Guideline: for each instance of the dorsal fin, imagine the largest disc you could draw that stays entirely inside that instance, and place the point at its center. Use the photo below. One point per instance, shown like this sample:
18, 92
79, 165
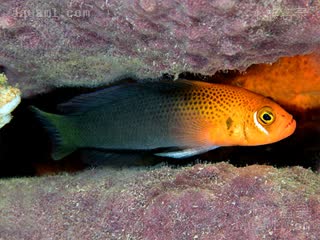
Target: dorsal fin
110, 95
85, 102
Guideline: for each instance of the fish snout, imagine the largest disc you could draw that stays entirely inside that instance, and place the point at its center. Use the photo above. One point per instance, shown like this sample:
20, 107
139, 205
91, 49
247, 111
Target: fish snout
289, 127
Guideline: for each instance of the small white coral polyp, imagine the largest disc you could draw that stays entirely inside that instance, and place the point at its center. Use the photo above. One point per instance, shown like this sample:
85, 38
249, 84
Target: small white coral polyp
9, 100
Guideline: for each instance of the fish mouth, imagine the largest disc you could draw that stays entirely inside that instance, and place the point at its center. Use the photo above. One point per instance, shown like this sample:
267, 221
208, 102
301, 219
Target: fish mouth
290, 127
290, 123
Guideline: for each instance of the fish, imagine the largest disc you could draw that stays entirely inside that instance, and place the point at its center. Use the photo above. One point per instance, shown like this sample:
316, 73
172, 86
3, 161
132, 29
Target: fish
175, 119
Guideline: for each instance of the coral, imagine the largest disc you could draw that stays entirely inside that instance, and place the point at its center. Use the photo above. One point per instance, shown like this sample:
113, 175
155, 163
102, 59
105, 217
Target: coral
291, 81
201, 202
9, 100
47, 44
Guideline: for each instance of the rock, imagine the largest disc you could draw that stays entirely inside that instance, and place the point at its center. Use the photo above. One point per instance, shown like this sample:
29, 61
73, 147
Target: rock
48, 44
211, 201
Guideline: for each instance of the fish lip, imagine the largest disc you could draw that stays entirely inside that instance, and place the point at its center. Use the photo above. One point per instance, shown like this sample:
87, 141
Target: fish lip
289, 125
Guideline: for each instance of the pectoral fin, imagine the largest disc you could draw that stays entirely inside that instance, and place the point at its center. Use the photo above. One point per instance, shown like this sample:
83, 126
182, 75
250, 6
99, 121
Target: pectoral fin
189, 152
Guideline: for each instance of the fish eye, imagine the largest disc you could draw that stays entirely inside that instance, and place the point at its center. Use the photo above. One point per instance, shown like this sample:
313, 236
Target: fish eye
265, 116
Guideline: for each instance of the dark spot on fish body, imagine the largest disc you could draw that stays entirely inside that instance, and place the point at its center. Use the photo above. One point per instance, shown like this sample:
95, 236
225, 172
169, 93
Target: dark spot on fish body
187, 97
229, 123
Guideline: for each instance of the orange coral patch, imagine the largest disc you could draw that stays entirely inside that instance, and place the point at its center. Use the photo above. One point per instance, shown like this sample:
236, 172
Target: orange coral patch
291, 81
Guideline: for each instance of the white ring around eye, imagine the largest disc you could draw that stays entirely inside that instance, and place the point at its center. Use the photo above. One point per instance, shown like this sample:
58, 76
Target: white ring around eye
258, 125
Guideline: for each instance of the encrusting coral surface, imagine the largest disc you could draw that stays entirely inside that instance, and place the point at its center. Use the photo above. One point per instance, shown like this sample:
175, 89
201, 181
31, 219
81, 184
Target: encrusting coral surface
291, 81
200, 202
48, 44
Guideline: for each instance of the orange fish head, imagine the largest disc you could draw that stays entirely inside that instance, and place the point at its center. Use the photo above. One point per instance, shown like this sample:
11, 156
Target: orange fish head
269, 123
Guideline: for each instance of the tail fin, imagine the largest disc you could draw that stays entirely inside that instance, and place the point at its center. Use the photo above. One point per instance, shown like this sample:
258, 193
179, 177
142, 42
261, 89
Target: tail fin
59, 129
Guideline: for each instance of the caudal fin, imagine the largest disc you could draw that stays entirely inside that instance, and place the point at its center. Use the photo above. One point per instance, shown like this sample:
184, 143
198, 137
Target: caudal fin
59, 130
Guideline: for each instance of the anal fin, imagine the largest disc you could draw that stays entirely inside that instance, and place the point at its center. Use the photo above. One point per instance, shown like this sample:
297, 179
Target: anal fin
100, 157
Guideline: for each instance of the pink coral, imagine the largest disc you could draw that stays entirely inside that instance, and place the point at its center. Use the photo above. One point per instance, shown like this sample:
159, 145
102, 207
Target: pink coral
200, 202
45, 44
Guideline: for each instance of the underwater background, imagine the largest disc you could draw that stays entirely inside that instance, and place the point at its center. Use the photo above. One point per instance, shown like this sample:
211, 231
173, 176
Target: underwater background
51, 52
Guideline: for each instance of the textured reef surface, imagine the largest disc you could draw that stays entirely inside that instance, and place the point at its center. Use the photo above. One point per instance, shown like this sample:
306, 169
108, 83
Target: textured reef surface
200, 202
47, 44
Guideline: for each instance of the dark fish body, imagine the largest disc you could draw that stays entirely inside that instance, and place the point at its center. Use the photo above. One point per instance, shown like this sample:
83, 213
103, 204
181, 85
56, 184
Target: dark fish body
191, 116
129, 124
129, 117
